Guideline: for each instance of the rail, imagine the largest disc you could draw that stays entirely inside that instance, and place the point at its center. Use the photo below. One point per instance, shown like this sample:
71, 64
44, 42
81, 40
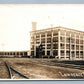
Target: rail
9, 68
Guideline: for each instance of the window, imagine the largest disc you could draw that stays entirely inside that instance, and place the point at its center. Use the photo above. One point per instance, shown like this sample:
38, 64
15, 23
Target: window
60, 38
81, 52
61, 44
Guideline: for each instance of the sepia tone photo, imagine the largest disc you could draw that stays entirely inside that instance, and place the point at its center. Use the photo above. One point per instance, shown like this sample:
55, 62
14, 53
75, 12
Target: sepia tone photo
42, 41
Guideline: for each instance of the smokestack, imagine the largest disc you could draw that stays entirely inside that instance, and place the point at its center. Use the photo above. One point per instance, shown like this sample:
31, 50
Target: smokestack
34, 26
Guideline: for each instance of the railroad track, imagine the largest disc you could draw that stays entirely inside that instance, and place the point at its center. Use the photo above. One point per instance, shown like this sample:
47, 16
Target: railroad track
14, 74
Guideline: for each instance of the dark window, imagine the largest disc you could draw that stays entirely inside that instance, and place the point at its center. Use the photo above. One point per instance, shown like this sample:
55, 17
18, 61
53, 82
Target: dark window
61, 44
48, 52
60, 38
43, 52
81, 52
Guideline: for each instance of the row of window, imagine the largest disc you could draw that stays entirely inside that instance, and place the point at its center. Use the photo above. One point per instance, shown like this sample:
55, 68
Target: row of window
55, 32
2, 53
81, 52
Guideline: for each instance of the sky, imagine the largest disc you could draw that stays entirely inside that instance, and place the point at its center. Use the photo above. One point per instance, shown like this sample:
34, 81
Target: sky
16, 21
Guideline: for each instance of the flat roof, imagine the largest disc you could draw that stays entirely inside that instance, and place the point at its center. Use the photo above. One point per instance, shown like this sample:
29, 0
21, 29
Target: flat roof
58, 27
15, 51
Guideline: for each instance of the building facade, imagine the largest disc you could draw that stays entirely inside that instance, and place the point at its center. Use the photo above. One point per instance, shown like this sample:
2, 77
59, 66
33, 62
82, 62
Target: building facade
57, 42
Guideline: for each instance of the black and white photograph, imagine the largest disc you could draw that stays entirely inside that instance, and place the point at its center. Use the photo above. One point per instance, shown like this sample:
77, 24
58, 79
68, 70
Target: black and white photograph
42, 41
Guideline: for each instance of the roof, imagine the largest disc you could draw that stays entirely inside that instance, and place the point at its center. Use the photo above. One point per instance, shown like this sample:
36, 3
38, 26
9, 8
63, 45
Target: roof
15, 51
59, 27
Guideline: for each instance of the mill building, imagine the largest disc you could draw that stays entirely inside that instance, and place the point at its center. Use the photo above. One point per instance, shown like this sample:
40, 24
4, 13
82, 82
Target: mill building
56, 42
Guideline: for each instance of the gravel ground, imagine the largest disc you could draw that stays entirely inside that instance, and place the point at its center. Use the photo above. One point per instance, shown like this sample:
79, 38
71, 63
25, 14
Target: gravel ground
42, 69
3, 71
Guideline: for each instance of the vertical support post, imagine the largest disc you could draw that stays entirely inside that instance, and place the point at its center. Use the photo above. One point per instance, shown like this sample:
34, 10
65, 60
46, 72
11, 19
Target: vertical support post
75, 46
83, 46
3, 54
70, 47
35, 44
11, 54
23, 53
41, 43
8, 53
30, 44
79, 45
51, 53
45, 44
40, 38
65, 44
18, 53
59, 43
15, 53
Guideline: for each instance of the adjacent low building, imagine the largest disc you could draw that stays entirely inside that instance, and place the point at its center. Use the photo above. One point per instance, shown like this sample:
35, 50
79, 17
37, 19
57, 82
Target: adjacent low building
57, 42
14, 53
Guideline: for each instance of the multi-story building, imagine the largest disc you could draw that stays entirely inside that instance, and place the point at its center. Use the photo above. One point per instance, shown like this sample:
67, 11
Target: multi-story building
57, 42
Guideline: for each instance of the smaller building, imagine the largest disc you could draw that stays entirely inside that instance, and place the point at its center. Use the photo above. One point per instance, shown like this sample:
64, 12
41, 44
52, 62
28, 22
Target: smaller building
14, 53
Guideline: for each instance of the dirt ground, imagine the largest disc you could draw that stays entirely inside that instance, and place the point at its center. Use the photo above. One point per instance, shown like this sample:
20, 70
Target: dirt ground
39, 69
3, 71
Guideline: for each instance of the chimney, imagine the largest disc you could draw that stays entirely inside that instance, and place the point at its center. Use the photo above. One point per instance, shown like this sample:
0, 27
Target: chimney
34, 26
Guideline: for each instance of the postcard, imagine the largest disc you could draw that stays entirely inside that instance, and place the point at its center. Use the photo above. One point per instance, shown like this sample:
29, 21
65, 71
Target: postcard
41, 41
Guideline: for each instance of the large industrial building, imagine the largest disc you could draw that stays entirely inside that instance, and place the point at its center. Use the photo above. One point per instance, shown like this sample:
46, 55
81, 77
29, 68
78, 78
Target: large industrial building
57, 42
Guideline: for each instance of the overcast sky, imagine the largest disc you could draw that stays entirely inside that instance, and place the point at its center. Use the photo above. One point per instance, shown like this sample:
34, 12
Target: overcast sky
15, 21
